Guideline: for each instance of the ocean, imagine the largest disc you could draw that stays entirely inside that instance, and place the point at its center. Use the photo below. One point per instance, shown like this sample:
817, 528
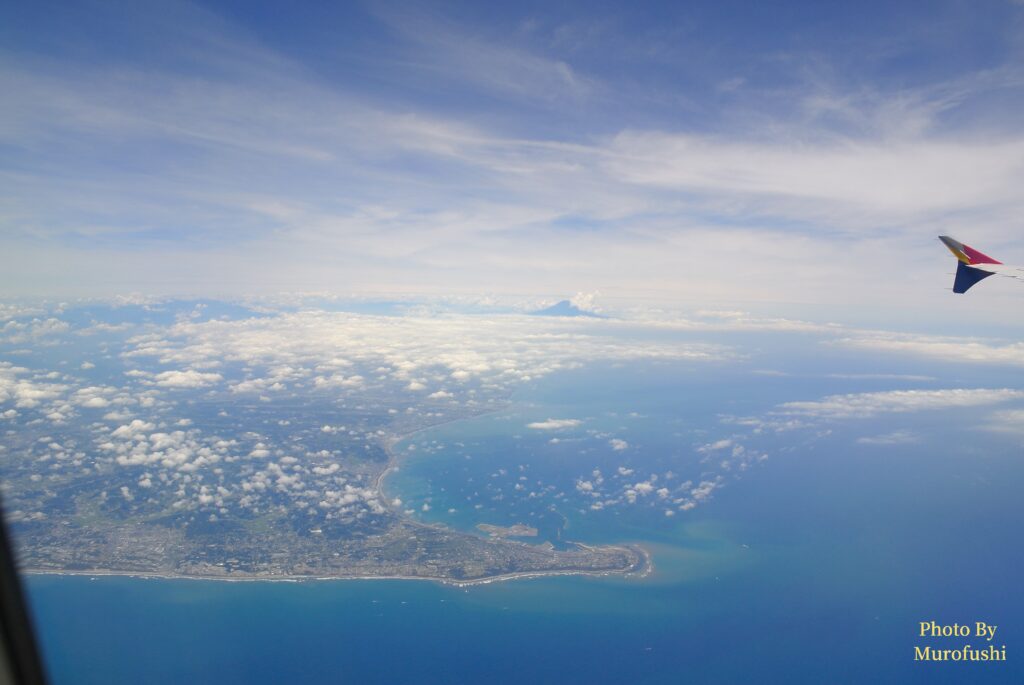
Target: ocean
815, 564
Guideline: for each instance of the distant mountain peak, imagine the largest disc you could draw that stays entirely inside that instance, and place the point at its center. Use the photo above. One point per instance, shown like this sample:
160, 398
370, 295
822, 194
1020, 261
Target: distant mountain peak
566, 308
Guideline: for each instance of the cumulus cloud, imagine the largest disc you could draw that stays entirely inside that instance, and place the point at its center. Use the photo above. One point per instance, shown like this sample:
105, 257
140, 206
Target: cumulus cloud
130, 430
643, 488
16, 332
704, 489
499, 350
256, 385
585, 301
337, 380
94, 397
716, 445
298, 351
186, 379
26, 393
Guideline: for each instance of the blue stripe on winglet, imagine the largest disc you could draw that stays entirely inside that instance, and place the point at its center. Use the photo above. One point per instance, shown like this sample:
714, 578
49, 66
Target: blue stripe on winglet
966, 276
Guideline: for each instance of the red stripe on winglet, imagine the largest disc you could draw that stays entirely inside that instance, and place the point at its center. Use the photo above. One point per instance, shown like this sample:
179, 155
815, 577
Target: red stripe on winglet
978, 257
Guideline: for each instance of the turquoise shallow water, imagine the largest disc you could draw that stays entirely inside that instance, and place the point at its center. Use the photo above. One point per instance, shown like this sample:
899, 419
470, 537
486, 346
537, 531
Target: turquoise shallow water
815, 566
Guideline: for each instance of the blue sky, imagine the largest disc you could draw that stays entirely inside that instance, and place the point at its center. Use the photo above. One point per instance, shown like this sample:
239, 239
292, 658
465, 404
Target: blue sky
713, 153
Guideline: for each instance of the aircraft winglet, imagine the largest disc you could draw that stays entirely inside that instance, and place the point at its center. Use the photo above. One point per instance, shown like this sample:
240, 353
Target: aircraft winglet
968, 261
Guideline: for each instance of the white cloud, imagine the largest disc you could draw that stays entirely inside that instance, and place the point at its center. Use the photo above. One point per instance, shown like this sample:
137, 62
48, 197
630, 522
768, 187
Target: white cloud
894, 438
902, 179
643, 488
17, 332
255, 103
881, 376
339, 381
714, 446
863, 405
186, 379
25, 393
130, 430
1007, 421
94, 397
704, 490
554, 424
618, 444
966, 350
586, 301
255, 385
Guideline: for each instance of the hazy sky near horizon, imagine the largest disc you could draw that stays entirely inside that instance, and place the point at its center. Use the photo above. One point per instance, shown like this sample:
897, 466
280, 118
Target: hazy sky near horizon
704, 152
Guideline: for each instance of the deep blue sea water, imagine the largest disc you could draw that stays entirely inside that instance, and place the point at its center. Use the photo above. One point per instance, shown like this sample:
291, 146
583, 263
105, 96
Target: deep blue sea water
814, 567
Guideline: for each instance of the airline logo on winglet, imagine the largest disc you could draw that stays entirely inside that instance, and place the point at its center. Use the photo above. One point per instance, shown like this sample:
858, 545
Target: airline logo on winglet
965, 253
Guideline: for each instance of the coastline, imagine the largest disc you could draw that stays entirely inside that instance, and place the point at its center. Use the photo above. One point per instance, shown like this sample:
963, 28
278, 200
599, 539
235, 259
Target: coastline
641, 570
646, 568
388, 442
